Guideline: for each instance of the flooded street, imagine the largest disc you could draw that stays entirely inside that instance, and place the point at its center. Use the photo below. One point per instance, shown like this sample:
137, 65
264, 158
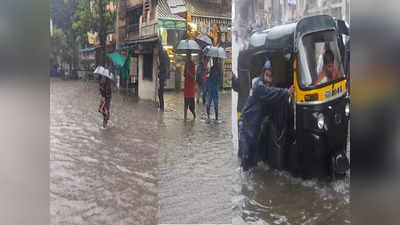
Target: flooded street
195, 163
101, 176
267, 196
151, 167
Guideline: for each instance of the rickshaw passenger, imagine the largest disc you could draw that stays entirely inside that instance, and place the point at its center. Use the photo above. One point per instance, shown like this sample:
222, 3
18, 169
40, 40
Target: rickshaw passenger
264, 100
329, 71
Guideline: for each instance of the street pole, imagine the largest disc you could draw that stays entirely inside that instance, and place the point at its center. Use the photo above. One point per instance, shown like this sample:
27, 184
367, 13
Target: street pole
102, 34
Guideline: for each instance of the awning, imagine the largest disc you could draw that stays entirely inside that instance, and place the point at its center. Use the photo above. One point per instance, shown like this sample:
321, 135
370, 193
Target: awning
164, 10
88, 49
145, 40
127, 46
177, 6
117, 58
210, 10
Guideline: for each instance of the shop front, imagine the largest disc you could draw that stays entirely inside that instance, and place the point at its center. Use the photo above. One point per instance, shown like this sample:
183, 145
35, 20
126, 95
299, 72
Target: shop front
219, 30
142, 68
171, 31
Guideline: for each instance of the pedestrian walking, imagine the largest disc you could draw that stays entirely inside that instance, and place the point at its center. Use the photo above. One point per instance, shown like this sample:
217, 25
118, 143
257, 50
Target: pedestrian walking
200, 81
213, 84
190, 86
207, 68
163, 75
105, 104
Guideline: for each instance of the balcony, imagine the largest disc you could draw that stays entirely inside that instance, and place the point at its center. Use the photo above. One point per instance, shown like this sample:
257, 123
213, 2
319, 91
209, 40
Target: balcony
148, 27
134, 28
148, 30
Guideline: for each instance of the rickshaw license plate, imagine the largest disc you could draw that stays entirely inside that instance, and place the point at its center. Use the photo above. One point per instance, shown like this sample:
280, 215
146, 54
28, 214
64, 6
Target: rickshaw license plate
333, 92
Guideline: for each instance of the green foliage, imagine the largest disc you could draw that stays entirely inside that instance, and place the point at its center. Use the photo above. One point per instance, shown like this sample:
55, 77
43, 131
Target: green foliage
59, 46
87, 19
73, 19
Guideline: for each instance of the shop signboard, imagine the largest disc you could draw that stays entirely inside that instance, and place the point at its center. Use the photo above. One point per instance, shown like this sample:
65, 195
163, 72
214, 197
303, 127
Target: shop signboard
214, 1
166, 23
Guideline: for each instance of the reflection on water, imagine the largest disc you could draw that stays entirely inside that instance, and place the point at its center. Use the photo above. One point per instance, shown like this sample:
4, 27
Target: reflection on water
266, 196
101, 176
195, 164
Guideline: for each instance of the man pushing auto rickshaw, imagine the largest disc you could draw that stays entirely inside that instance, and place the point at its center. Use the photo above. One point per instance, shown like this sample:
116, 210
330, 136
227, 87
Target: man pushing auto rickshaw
264, 100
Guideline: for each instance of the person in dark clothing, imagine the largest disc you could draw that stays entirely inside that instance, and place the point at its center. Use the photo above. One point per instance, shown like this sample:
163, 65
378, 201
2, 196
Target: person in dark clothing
213, 84
190, 87
105, 91
206, 70
199, 80
264, 100
101, 87
163, 75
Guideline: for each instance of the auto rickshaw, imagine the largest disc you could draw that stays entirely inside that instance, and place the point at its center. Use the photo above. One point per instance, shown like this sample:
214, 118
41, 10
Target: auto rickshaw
316, 132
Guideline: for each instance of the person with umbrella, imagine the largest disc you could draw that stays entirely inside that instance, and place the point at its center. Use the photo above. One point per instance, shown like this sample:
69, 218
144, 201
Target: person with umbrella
189, 46
201, 72
215, 78
189, 88
207, 69
105, 92
213, 84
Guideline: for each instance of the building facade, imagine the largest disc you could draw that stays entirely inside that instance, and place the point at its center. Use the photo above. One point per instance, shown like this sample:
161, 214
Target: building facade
264, 14
137, 38
214, 18
143, 27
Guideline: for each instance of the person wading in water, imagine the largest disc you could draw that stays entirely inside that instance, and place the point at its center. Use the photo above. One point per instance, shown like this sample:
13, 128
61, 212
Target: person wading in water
105, 91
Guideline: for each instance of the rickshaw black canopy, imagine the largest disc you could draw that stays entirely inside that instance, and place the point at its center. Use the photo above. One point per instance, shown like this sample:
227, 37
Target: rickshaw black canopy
283, 38
279, 38
314, 24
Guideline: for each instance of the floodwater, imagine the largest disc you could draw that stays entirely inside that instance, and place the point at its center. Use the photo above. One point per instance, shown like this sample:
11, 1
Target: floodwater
267, 196
101, 176
195, 164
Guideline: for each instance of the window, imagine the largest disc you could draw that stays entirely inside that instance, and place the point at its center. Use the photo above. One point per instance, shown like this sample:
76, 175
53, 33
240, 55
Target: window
314, 69
133, 16
148, 67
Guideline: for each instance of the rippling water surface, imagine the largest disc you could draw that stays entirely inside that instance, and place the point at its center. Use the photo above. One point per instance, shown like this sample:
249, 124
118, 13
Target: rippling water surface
101, 176
195, 164
266, 196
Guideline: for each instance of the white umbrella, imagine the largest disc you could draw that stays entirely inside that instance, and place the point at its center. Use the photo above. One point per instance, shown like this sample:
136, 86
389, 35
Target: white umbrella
216, 52
104, 72
204, 40
187, 46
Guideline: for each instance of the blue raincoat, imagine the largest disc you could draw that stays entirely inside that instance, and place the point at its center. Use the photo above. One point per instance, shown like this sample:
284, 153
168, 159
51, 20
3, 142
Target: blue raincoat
213, 83
263, 101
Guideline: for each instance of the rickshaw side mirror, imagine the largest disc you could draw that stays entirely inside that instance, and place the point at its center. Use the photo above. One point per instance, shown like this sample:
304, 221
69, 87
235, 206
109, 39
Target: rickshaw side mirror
288, 56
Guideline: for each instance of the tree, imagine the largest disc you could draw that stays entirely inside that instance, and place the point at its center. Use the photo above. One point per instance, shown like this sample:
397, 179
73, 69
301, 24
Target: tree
94, 16
61, 12
75, 18
59, 47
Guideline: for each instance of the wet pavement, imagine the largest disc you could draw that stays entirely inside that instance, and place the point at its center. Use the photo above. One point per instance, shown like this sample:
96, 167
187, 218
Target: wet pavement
267, 196
101, 176
195, 164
